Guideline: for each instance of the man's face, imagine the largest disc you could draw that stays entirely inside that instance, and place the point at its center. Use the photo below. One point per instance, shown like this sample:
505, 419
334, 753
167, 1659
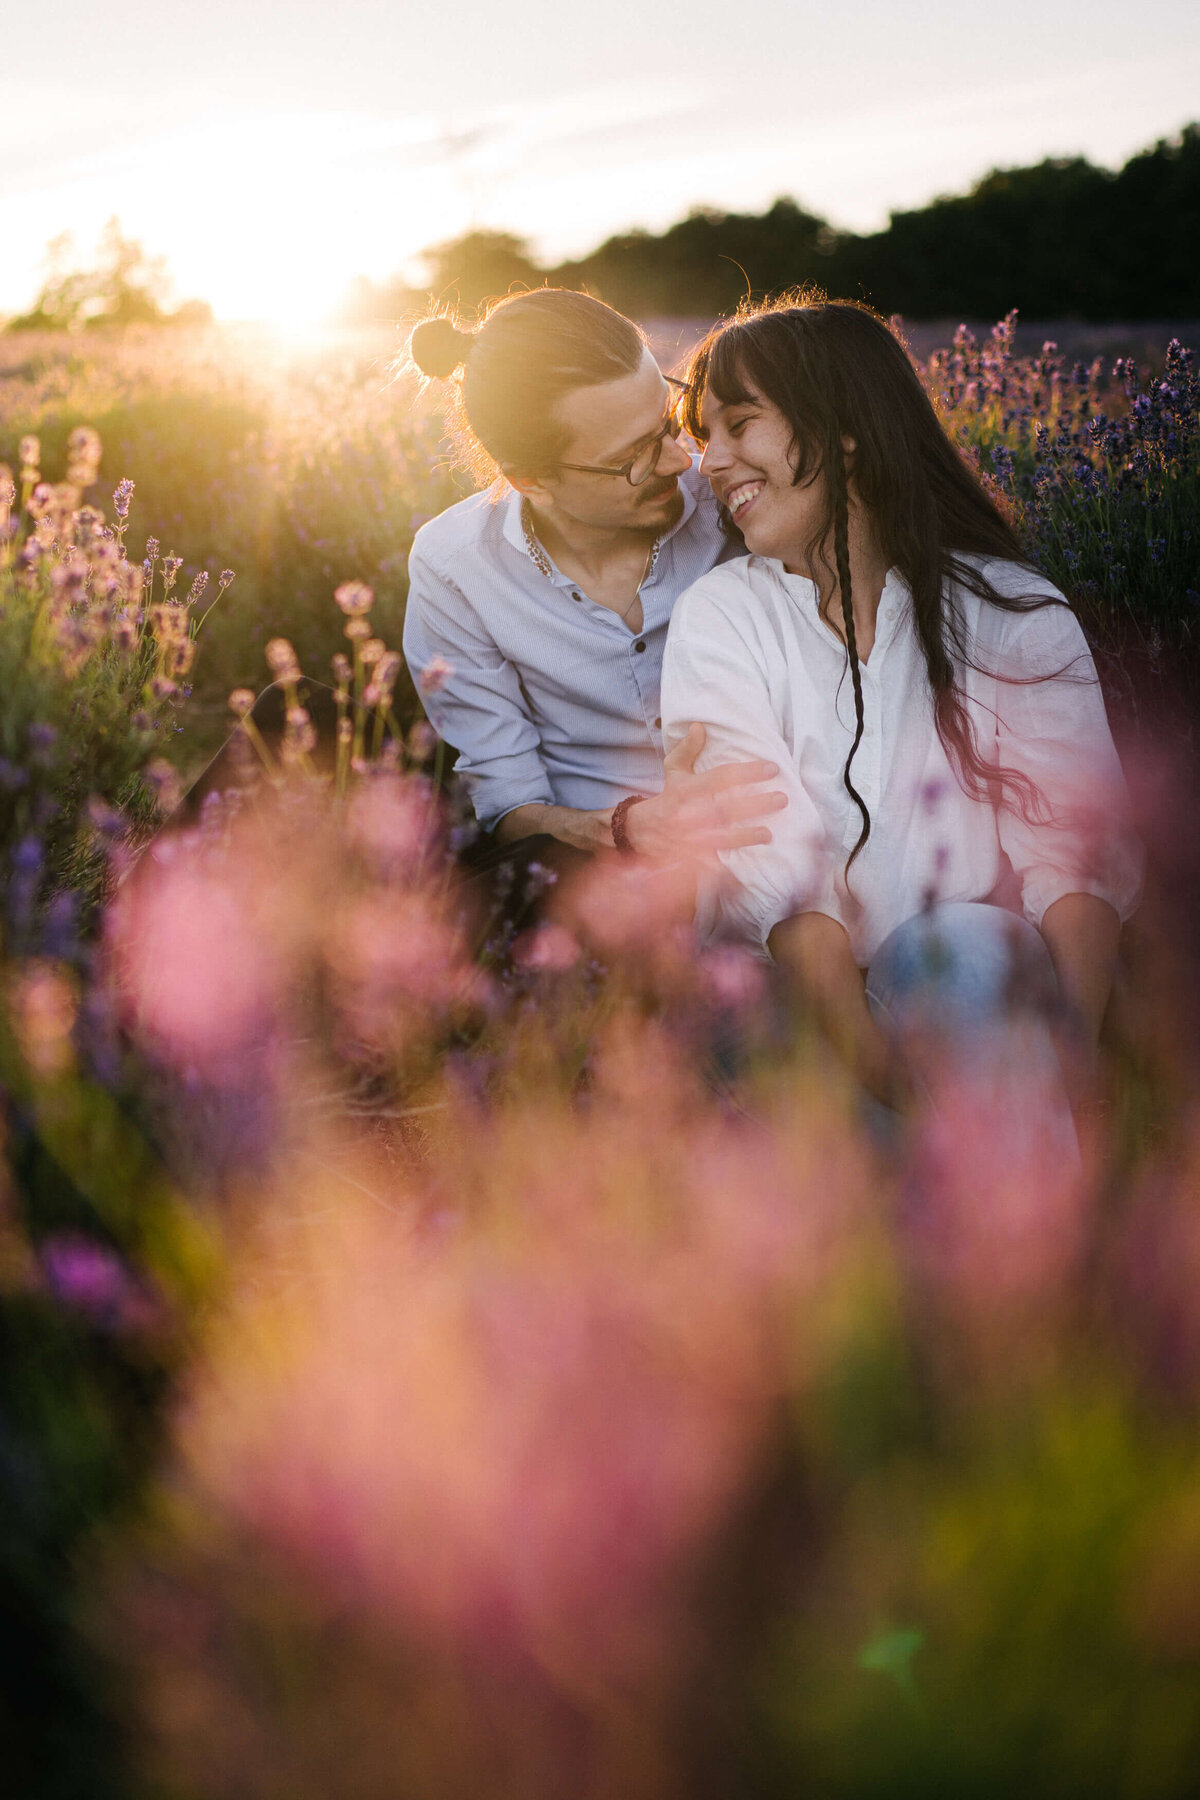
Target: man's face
607, 425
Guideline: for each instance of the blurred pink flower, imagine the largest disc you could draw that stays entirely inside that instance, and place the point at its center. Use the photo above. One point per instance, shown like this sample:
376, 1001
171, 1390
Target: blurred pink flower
354, 598
422, 741
163, 781
998, 1204
281, 660
199, 971
506, 1450
626, 906
548, 949
734, 977
393, 959
394, 822
44, 1001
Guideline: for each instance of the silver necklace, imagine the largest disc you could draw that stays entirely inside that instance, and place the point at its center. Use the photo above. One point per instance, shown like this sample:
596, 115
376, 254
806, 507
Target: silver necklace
537, 554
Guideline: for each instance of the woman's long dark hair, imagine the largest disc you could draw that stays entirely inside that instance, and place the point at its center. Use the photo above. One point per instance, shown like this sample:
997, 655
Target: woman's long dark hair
836, 370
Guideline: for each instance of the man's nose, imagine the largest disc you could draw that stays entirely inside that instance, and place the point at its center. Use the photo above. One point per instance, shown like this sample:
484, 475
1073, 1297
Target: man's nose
673, 458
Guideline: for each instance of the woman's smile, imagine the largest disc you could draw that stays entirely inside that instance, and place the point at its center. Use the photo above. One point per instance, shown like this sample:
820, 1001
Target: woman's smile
740, 499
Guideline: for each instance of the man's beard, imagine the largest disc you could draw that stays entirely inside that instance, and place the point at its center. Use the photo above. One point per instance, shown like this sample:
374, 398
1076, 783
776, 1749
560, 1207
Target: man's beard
655, 492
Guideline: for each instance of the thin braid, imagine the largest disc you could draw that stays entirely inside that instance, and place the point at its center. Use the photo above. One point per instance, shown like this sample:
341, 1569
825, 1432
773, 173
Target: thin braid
841, 554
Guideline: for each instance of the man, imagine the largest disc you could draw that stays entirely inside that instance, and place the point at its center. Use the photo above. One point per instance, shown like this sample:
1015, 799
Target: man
538, 610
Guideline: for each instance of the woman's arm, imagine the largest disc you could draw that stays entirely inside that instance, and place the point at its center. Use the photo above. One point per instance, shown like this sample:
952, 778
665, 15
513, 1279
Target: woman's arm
1077, 840
715, 670
814, 951
1082, 933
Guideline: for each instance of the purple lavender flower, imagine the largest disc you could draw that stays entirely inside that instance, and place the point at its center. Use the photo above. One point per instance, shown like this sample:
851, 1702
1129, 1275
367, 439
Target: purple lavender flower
60, 929
88, 1278
27, 856
104, 818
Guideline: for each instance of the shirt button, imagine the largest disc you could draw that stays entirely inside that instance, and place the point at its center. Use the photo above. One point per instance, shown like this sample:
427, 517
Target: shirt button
658, 724
577, 596
640, 646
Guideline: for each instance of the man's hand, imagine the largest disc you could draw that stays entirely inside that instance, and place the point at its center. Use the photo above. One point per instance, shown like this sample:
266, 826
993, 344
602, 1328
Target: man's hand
696, 815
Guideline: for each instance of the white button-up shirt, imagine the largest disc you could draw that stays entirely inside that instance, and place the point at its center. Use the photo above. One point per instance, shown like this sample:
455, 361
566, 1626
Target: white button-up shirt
545, 694
749, 657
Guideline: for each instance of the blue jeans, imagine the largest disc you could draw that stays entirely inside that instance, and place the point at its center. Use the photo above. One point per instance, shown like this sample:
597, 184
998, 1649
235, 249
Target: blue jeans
960, 969
971, 988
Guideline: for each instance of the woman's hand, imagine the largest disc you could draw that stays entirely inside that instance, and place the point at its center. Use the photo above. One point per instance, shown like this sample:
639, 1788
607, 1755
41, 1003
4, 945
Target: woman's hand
697, 815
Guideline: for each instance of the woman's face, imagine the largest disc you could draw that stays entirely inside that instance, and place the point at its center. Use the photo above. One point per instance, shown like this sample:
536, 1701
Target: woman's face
750, 460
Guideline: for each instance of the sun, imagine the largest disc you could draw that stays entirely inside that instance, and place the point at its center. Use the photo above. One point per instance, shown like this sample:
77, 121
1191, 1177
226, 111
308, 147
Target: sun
269, 219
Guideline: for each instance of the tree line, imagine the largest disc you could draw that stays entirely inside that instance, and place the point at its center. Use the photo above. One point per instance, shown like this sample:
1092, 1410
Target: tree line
120, 285
1063, 239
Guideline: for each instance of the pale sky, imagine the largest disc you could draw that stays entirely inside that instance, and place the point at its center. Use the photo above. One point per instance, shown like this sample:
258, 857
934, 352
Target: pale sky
273, 151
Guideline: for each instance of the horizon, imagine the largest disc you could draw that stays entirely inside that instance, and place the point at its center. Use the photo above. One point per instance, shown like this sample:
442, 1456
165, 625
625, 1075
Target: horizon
271, 212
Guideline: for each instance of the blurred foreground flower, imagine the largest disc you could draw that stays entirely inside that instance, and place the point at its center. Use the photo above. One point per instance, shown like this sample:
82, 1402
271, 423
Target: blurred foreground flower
494, 1426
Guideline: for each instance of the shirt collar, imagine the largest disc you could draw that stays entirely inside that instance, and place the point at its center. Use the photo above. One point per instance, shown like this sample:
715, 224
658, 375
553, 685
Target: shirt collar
513, 524
892, 601
895, 587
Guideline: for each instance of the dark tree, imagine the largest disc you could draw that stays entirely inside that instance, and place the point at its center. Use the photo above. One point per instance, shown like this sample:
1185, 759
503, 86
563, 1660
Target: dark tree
707, 262
1060, 240
480, 266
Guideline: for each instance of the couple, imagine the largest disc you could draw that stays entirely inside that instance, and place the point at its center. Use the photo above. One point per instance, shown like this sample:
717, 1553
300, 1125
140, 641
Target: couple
815, 650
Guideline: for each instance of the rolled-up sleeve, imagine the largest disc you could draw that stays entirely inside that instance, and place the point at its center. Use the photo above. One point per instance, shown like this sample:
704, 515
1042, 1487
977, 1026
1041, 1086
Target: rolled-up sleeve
714, 676
472, 696
1076, 836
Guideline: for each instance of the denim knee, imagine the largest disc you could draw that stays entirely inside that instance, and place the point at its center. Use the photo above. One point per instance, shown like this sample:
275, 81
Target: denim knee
962, 963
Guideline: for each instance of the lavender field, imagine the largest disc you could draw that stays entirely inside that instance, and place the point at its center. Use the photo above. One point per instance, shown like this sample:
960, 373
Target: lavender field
426, 1372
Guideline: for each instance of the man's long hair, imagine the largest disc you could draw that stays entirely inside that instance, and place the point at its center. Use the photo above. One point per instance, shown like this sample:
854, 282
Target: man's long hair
527, 353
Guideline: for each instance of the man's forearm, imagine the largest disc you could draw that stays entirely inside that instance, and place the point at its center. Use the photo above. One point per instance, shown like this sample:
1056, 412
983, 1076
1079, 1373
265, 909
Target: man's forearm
571, 825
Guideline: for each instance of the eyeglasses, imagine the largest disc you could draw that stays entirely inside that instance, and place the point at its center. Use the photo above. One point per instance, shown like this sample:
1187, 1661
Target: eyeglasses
643, 463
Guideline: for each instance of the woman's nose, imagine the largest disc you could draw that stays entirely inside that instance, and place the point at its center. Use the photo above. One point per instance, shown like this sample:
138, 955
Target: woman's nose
713, 457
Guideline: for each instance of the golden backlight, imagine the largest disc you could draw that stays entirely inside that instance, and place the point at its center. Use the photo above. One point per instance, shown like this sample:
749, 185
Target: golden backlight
269, 219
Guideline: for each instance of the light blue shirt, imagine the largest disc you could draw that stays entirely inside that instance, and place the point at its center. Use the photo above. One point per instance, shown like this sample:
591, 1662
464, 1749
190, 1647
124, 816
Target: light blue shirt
546, 695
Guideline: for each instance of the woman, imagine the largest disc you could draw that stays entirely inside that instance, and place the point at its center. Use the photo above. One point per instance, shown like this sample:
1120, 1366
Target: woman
955, 832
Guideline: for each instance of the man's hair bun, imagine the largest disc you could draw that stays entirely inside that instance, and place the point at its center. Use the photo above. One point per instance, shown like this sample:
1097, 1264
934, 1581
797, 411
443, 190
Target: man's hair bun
438, 347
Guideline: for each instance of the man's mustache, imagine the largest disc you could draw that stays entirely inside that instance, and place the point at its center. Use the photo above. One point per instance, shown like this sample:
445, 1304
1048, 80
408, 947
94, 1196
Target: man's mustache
659, 490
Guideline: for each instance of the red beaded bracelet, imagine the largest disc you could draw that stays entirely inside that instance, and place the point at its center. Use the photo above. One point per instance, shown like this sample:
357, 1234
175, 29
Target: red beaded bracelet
620, 833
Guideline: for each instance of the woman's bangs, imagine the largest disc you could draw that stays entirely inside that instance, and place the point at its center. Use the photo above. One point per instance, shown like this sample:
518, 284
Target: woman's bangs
715, 368
727, 380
